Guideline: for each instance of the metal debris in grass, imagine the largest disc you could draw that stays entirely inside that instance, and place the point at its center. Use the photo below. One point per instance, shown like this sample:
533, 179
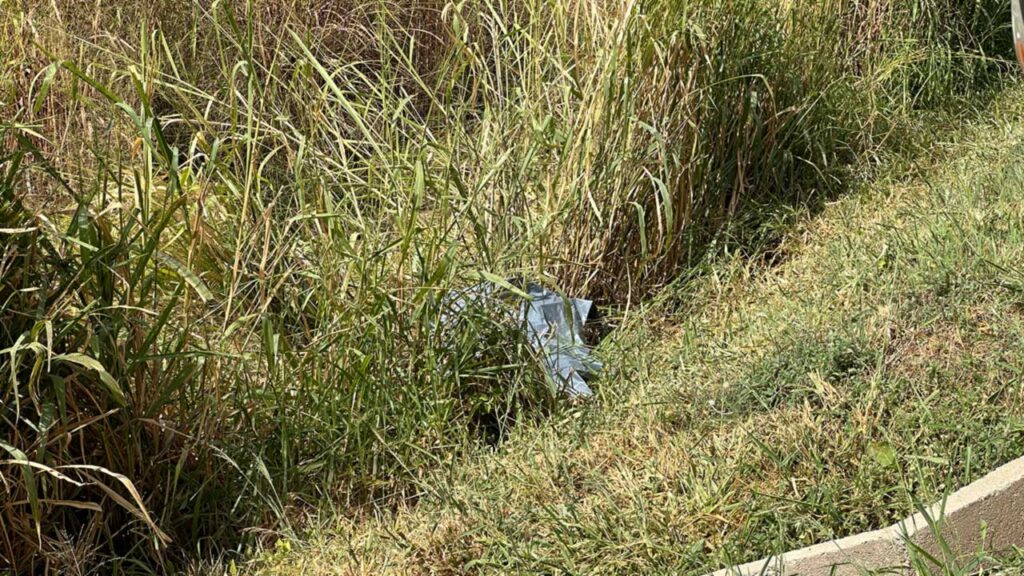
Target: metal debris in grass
553, 325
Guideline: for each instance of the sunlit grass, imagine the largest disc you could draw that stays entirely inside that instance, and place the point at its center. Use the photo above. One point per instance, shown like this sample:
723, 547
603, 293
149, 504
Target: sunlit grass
783, 404
229, 228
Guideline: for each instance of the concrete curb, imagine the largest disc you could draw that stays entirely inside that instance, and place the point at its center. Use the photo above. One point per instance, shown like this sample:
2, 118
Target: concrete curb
987, 514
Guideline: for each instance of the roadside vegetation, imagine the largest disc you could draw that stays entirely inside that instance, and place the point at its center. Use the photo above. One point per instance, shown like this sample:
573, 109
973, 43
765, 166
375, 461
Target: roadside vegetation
227, 231
764, 406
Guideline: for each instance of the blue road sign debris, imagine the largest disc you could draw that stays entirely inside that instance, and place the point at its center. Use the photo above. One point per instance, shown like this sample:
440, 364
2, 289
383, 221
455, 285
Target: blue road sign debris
553, 325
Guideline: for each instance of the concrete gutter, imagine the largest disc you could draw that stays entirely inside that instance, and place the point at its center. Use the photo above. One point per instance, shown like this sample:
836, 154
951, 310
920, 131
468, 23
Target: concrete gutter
987, 515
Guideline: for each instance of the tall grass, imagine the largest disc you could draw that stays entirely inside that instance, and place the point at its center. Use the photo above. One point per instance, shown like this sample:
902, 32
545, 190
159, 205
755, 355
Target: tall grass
229, 229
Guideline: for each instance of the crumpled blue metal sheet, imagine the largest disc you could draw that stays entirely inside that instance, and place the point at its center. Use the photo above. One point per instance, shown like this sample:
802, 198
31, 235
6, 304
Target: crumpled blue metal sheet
558, 337
553, 326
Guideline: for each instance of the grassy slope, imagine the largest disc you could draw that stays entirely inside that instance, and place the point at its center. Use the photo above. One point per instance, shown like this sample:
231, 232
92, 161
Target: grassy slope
299, 201
773, 408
